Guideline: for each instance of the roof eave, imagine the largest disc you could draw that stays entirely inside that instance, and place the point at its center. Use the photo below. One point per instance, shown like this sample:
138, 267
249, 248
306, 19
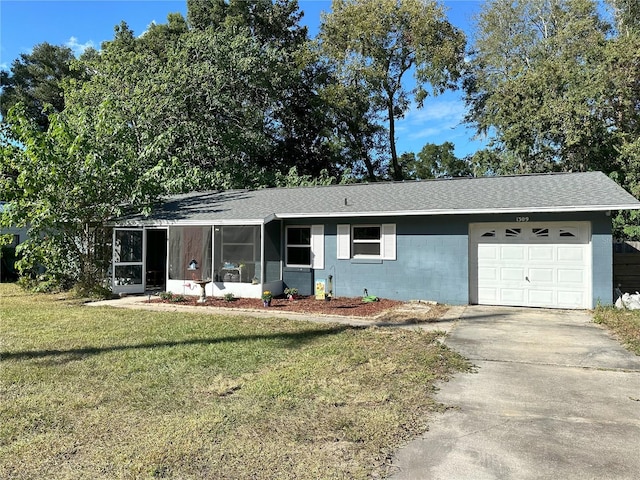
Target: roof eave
191, 222
397, 213
471, 211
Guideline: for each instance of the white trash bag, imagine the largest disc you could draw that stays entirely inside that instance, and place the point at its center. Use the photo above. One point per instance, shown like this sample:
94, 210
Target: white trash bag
628, 301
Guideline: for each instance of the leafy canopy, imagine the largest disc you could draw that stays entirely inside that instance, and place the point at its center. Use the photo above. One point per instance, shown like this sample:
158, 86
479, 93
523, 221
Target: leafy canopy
376, 43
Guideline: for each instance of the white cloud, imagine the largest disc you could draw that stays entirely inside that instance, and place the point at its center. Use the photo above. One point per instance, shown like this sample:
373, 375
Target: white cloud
436, 120
440, 120
77, 47
436, 111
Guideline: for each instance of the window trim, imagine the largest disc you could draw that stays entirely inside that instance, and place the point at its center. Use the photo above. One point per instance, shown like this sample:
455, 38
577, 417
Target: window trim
355, 241
295, 245
388, 238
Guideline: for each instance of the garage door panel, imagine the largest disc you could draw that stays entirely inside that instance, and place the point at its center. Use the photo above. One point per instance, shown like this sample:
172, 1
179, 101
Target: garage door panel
541, 275
571, 254
571, 299
512, 274
544, 265
540, 297
571, 276
487, 274
542, 253
488, 295
512, 296
516, 252
487, 252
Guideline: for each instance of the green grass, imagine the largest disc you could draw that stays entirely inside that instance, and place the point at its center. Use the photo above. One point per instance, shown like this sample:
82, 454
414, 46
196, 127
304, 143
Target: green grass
89, 392
625, 324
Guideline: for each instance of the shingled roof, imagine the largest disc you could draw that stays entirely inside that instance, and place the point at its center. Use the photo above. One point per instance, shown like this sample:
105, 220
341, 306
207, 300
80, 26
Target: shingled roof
557, 192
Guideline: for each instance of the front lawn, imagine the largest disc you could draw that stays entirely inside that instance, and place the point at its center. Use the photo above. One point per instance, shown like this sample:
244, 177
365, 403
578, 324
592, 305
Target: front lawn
625, 324
88, 392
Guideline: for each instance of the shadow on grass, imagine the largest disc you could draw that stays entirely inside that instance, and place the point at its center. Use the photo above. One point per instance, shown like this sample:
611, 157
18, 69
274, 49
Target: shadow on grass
293, 340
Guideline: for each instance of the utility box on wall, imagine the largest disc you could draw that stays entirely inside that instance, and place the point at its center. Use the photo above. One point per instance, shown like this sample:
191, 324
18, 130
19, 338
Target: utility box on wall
300, 278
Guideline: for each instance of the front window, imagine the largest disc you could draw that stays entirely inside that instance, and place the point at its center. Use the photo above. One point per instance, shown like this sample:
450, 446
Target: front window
299, 246
366, 241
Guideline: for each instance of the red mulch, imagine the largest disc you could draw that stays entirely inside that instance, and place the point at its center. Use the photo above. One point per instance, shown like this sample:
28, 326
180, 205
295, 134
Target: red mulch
335, 306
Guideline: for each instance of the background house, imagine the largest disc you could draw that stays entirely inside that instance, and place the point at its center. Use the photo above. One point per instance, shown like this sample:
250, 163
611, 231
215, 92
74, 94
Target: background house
8, 252
533, 240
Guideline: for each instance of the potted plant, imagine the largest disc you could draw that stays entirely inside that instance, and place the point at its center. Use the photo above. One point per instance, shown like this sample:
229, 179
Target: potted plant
266, 298
291, 293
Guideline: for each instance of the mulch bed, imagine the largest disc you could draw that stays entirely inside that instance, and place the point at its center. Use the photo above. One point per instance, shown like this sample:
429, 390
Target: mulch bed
335, 306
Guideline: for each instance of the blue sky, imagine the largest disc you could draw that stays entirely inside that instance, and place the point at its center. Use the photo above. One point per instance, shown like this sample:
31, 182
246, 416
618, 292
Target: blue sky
87, 23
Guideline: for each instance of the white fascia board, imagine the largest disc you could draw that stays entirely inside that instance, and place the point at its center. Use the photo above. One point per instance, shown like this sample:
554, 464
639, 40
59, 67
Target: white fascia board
189, 223
406, 213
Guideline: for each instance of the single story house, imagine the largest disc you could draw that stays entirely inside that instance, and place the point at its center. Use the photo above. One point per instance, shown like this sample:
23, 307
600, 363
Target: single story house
531, 240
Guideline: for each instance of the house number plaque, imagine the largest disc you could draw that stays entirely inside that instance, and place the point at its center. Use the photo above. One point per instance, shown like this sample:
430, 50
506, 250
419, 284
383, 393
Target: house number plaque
522, 219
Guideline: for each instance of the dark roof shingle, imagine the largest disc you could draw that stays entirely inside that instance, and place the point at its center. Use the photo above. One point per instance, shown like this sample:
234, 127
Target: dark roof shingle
589, 191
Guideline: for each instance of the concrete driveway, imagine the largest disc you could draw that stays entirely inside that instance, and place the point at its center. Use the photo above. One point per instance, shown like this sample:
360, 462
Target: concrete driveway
552, 396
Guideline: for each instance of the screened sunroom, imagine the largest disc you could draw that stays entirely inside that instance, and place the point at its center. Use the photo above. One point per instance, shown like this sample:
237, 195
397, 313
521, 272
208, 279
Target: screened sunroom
223, 258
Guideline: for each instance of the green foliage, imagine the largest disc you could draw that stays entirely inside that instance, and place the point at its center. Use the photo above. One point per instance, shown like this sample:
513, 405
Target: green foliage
534, 83
557, 89
227, 104
627, 16
435, 161
166, 296
375, 43
293, 179
230, 103
172, 297
35, 80
63, 185
229, 297
291, 291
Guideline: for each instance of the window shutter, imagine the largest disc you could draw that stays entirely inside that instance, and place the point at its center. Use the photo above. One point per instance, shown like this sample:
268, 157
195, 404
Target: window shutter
388, 241
344, 242
317, 247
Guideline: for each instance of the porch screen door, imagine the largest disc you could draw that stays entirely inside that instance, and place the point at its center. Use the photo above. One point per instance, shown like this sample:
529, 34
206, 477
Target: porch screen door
128, 260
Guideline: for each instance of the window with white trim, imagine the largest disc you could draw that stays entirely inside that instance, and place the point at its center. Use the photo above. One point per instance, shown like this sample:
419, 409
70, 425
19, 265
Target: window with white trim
304, 246
367, 241
298, 246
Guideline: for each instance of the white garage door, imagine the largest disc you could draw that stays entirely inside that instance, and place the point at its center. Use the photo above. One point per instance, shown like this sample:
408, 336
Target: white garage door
531, 264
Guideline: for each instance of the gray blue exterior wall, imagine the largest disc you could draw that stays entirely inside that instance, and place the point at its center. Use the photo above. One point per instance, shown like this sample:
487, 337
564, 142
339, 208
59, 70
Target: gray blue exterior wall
432, 257
602, 260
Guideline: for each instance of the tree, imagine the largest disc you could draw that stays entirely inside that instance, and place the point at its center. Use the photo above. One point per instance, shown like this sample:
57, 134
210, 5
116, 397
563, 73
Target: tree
232, 101
376, 43
533, 83
362, 143
558, 89
35, 79
627, 16
71, 179
436, 161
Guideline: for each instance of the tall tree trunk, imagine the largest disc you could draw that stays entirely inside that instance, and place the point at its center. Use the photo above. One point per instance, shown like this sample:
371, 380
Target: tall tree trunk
395, 165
